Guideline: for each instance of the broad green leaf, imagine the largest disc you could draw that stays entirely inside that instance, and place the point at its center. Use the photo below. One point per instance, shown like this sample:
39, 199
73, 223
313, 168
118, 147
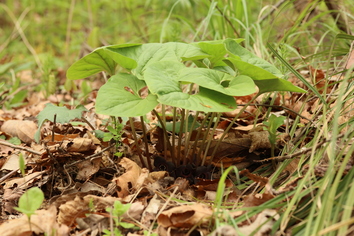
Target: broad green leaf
30, 201
221, 82
162, 79
91, 64
217, 51
206, 100
120, 97
246, 56
265, 75
265, 81
102, 59
177, 52
63, 115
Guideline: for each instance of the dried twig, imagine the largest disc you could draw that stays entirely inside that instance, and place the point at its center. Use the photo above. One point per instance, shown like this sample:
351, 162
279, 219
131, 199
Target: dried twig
20, 148
296, 154
89, 157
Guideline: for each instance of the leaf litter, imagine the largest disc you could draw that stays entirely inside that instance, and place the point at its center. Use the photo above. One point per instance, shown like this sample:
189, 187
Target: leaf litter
81, 177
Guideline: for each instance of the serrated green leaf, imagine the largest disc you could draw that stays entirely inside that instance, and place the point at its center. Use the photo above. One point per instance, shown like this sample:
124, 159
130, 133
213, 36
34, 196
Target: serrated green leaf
120, 97
30, 201
63, 115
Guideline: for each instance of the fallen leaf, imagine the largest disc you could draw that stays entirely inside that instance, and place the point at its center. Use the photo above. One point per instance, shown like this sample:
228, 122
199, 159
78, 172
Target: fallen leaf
77, 208
185, 216
88, 168
42, 222
22, 129
262, 224
128, 180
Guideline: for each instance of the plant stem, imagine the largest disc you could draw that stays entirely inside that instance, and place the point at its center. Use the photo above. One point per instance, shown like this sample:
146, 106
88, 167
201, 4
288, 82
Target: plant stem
180, 134
147, 153
231, 124
211, 138
136, 142
186, 146
164, 133
206, 134
194, 148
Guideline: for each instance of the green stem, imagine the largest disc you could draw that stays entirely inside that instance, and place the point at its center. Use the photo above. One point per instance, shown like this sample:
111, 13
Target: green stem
147, 153
136, 142
206, 134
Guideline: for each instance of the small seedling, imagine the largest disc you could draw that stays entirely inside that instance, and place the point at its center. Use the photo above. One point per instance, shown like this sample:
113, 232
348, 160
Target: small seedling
115, 133
31, 200
117, 212
272, 125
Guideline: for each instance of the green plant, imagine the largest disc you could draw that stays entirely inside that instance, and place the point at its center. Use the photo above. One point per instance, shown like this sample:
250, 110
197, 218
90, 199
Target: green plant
203, 76
272, 125
115, 133
117, 212
32, 199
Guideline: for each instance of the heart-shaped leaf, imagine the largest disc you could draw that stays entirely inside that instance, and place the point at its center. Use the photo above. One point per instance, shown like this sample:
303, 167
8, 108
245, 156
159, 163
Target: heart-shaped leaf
120, 97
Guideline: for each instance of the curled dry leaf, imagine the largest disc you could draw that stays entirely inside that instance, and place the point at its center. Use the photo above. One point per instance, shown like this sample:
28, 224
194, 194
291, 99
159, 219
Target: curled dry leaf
22, 129
185, 216
43, 222
129, 179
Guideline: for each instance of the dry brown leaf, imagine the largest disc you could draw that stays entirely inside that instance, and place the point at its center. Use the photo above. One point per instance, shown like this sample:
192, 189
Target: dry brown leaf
135, 211
257, 199
79, 145
259, 140
43, 222
224, 230
128, 180
263, 223
185, 216
11, 163
22, 129
88, 168
256, 178
25, 181
151, 211
77, 208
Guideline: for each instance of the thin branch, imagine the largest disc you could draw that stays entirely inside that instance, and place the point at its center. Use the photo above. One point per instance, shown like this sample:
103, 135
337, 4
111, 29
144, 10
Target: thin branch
90, 157
20, 148
290, 156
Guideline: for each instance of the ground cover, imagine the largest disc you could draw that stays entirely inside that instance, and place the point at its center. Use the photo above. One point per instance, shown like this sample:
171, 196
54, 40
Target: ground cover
206, 117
